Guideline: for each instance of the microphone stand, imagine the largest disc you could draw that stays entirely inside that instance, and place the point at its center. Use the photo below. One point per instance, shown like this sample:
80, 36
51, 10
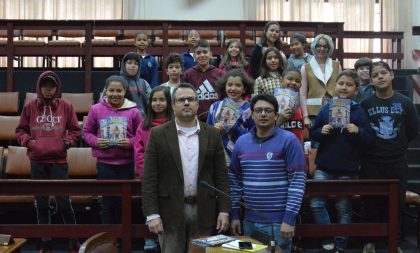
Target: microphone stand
273, 241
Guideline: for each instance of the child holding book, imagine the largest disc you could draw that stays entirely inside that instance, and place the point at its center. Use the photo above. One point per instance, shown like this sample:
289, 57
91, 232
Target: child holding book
110, 129
234, 57
289, 119
232, 115
159, 111
339, 153
272, 66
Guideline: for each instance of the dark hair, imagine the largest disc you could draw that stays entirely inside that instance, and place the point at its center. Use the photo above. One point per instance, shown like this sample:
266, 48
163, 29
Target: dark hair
120, 79
202, 43
132, 56
299, 37
349, 73
291, 69
246, 81
362, 62
192, 30
265, 97
380, 64
150, 114
183, 86
227, 60
174, 58
140, 33
263, 40
264, 69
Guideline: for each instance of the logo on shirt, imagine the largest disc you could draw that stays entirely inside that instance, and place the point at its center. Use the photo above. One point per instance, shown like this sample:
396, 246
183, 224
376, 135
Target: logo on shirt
269, 155
206, 91
48, 121
385, 129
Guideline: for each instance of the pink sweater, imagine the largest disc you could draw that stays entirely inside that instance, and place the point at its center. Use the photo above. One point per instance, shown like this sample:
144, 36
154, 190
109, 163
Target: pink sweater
140, 144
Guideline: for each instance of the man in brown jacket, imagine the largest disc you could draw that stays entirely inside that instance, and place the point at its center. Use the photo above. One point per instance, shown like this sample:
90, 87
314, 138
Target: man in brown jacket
180, 154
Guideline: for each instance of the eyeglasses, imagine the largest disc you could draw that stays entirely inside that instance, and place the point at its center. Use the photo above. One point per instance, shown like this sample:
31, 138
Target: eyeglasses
261, 110
188, 99
322, 47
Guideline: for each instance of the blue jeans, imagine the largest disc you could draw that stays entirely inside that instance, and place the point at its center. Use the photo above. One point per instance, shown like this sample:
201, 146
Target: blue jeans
343, 206
285, 244
111, 206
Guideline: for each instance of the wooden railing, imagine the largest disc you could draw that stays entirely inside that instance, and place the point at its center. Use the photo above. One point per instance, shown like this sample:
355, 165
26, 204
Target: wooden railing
128, 188
87, 52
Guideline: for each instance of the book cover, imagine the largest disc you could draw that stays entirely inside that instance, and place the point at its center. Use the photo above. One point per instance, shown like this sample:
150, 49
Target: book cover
339, 112
287, 99
227, 114
113, 128
213, 241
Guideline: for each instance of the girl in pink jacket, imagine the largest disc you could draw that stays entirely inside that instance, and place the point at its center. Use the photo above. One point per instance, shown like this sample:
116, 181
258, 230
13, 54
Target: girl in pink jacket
159, 111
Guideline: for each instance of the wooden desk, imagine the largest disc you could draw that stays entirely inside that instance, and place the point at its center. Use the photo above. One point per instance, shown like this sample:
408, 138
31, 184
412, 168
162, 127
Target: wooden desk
197, 249
15, 247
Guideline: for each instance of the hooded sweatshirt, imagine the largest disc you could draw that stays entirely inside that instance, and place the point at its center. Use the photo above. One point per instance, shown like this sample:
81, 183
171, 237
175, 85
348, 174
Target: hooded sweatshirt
92, 131
140, 143
205, 84
45, 126
139, 88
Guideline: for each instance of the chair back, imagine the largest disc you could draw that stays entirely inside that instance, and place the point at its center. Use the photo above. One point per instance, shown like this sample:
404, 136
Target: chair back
17, 163
29, 96
80, 101
8, 127
81, 163
9, 102
100, 243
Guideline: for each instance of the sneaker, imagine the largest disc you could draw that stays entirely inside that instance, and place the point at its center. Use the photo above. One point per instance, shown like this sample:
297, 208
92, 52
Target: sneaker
369, 248
400, 250
328, 248
45, 251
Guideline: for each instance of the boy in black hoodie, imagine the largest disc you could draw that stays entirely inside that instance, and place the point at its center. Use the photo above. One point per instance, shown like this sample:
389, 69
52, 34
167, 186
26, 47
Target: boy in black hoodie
48, 127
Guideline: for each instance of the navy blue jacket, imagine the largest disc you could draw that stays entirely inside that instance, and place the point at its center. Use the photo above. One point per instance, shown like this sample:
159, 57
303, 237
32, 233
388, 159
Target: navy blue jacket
341, 152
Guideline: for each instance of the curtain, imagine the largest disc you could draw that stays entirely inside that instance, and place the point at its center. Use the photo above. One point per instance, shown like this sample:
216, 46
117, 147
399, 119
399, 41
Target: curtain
61, 10
357, 15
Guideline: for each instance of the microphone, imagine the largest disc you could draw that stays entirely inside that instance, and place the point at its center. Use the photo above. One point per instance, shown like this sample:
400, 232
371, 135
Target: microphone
272, 239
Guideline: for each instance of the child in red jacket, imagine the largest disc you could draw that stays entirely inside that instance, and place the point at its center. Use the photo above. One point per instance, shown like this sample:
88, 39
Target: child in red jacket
48, 127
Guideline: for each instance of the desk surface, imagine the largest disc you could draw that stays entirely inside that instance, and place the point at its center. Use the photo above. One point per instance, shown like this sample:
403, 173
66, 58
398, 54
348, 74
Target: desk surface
15, 247
197, 249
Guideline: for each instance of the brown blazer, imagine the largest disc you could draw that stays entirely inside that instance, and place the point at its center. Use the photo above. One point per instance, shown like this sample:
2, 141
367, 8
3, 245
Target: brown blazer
163, 180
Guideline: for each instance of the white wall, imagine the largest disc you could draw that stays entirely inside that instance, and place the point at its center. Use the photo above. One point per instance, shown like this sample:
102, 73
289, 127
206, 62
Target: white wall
186, 9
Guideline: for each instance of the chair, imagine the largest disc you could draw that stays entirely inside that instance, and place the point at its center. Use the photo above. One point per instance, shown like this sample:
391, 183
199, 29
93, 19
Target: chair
3, 36
68, 38
8, 127
82, 165
175, 38
129, 38
33, 39
17, 166
412, 201
80, 101
100, 243
9, 102
29, 96
249, 42
104, 38
210, 36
